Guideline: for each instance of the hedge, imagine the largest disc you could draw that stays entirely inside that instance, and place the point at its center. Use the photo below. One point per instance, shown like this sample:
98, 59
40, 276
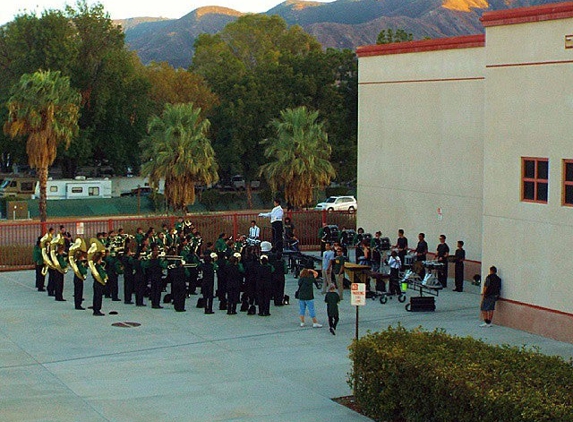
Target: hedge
419, 376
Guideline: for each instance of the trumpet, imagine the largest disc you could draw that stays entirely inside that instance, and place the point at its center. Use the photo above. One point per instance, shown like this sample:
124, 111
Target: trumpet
54, 243
78, 246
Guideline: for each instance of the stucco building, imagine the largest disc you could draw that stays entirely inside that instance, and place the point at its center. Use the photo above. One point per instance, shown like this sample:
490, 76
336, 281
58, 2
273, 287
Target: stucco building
472, 137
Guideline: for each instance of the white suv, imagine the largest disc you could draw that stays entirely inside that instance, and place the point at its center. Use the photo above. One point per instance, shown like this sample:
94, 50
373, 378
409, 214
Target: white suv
338, 203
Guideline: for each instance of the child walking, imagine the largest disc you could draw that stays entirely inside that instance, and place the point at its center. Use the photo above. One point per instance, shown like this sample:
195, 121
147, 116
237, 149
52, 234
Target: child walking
332, 300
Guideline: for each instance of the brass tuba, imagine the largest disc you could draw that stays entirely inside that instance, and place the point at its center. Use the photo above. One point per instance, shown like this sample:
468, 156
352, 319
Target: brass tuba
54, 244
95, 248
45, 245
78, 246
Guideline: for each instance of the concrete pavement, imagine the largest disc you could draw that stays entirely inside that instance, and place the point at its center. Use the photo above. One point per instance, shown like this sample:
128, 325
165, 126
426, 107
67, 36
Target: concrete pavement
59, 364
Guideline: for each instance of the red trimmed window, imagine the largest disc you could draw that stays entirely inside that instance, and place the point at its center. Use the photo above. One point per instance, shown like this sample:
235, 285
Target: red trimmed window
568, 183
535, 179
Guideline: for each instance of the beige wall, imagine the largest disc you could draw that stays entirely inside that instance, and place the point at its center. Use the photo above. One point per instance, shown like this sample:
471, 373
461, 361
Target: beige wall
528, 113
420, 141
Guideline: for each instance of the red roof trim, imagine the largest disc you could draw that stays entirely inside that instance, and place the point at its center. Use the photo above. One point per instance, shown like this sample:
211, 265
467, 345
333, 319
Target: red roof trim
468, 41
545, 12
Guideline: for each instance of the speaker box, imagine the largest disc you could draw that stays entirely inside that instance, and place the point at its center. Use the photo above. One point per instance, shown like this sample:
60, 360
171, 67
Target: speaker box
421, 304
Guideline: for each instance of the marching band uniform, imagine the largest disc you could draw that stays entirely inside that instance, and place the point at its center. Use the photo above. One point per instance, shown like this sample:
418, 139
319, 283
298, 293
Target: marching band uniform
127, 279
39, 265
278, 278
154, 270
113, 267
79, 285
178, 291
207, 288
233, 275
59, 277
264, 286
98, 289
138, 281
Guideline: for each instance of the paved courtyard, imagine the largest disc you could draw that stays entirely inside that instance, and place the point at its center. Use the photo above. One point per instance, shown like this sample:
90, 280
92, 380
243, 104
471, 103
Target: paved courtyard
59, 364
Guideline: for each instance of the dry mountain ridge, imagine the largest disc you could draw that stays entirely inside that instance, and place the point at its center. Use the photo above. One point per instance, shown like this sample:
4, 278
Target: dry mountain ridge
339, 24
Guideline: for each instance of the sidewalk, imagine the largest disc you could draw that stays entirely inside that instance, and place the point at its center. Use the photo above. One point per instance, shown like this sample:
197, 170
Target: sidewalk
59, 364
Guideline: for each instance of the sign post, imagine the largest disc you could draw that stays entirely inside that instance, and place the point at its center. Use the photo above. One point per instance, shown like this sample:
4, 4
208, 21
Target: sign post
358, 299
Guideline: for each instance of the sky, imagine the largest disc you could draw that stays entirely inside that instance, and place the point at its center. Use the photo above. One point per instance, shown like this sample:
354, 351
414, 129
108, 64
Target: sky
120, 9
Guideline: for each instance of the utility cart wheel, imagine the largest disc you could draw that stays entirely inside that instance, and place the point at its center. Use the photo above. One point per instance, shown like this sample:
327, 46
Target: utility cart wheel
383, 299
402, 298
408, 307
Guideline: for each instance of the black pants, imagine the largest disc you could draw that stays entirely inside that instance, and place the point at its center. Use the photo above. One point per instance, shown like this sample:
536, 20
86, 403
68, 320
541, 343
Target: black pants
264, 298
277, 227
51, 286
156, 288
40, 278
207, 291
460, 277
333, 321
443, 275
113, 286
59, 285
279, 289
78, 291
127, 288
139, 284
394, 282
179, 294
98, 295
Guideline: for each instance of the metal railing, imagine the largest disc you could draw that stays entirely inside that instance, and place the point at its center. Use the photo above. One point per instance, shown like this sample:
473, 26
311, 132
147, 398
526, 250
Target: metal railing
17, 239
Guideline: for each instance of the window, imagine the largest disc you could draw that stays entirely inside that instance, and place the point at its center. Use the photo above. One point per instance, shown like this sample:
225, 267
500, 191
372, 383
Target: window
27, 186
567, 194
53, 188
77, 189
93, 191
535, 180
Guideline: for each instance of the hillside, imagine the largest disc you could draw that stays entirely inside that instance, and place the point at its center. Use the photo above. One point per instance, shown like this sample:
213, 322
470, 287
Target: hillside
340, 24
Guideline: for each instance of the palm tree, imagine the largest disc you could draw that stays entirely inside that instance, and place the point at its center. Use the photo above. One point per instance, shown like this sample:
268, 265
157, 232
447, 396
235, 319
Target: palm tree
178, 150
46, 109
300, 156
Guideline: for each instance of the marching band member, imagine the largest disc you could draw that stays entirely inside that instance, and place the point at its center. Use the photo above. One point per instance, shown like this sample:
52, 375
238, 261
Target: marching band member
39, 265
153, 268
100, 279
59, 274
79, 280
208, 269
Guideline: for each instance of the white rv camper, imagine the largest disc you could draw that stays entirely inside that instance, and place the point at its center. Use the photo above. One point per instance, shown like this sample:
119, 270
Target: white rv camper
78, 188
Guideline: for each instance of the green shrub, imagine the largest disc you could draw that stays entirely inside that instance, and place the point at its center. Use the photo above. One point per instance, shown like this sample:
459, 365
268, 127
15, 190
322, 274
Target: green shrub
419, 376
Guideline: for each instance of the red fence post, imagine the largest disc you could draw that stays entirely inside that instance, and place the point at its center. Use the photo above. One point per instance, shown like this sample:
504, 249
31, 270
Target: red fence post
235, 226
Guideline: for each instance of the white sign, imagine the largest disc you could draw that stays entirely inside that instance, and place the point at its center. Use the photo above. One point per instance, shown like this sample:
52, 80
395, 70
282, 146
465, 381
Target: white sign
80, 229
358, 294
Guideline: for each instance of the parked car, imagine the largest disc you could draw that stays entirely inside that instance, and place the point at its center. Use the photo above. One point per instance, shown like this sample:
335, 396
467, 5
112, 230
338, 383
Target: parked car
338, 203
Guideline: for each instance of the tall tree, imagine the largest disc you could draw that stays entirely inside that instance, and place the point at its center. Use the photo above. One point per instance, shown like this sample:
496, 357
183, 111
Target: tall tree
178, 150
170, 85
249, 66
45, 109
299, 156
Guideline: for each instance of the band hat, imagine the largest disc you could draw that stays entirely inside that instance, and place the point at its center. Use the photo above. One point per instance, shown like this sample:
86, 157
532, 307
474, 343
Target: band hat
266, 246
213, 255
264, 257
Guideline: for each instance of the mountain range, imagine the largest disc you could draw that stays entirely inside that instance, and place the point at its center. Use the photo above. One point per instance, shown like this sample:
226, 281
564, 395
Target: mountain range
339, 24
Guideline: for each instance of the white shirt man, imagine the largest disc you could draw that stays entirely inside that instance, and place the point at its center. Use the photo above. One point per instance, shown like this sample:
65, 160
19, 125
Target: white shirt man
276, 216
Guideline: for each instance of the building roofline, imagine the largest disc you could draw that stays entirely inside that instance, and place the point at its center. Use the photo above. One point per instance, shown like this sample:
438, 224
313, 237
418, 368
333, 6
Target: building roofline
467, 41
545, 12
